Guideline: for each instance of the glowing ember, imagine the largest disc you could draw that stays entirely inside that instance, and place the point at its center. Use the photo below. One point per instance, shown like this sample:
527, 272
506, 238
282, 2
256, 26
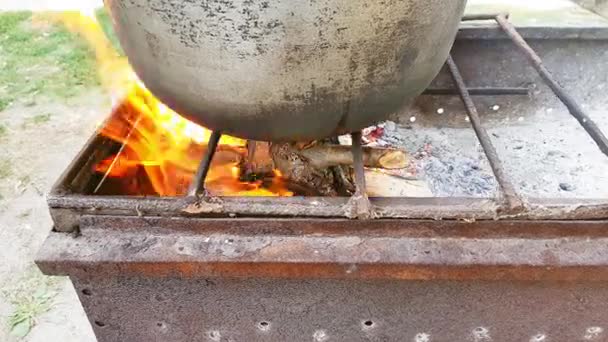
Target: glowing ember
155, 141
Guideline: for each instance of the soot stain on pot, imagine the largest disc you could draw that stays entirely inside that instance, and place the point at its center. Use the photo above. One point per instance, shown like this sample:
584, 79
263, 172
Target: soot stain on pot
245, 27
153, 43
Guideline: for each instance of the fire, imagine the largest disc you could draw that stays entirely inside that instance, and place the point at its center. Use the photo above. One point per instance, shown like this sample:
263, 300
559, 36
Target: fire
155, 141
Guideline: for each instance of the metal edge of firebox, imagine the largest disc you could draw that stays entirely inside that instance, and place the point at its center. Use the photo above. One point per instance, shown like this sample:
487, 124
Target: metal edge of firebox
67, 203
67, 207
331, 249
492, 32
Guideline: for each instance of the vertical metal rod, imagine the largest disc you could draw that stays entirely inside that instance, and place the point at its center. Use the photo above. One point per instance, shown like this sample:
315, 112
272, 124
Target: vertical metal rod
513, 200
198, 184
357, 150
251, 148
575, 109
250, 158
359, 201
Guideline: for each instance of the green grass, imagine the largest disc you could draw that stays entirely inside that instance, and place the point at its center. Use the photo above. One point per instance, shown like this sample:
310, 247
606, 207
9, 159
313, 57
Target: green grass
37, 120
6, 169
41, 61
33, 296
22, 320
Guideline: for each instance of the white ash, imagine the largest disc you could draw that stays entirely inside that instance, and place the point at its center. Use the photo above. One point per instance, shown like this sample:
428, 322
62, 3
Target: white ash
390, 126
444, 164
547, 155
458, 177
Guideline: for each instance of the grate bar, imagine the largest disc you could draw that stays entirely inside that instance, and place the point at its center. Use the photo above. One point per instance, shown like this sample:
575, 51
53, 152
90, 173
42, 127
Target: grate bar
568, 100
490, 16
575, 109
513, 200
198, 183
486, 91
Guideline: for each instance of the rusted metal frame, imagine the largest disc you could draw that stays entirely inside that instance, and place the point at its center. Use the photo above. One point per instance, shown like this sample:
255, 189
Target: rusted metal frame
407, 250
336, 227
72, 207
568, 100
486, 91
513, 201
336, 207
198, 183
92, 152
67, 207
189, 270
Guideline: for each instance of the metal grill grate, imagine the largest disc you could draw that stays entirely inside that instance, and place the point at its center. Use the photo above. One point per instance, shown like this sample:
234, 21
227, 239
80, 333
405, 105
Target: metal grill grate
513, 204
68, 204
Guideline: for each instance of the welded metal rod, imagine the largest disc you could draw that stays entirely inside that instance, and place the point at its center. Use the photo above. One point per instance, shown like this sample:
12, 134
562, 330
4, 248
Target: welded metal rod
198, 183
357, 150
575, 109
474, 17
251, 148
486, 91
513, 200
250, 158
359, 201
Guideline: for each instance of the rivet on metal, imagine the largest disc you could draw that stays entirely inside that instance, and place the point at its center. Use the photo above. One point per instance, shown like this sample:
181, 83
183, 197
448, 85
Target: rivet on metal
422, 337
215, 335
351, 269
538, 338
368, 324
320, 336
481, 334
264, 326
161, 326
593, 333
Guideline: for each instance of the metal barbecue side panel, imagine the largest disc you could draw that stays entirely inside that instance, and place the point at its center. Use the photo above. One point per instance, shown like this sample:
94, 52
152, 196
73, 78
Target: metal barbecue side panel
142, 309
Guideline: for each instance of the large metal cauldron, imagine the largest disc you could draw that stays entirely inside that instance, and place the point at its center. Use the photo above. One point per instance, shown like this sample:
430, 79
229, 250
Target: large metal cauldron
286, 69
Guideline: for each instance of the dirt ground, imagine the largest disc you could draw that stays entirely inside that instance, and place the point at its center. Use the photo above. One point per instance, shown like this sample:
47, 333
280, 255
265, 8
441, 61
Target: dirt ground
34, 155
49, 104
38, 138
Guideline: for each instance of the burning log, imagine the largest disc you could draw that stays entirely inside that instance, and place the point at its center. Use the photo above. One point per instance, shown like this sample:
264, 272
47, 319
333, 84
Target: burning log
327, 155
320, 166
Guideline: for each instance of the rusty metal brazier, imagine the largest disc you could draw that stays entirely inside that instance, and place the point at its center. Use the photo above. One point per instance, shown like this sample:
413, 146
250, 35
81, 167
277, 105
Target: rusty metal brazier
286, 69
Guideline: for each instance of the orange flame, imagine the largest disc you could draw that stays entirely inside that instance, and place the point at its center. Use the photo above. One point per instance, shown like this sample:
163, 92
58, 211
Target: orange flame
155, 139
